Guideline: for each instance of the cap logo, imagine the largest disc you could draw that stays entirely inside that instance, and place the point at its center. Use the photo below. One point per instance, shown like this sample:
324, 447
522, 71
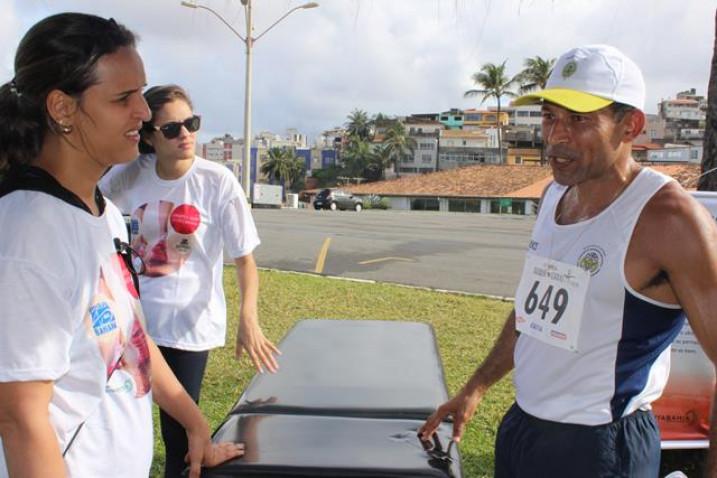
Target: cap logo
569, 69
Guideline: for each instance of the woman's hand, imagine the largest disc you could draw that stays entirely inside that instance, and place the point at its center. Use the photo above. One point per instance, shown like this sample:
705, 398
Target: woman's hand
251, 339
202, 452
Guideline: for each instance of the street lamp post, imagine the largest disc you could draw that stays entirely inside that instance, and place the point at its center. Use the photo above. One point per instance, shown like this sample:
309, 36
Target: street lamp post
249, 42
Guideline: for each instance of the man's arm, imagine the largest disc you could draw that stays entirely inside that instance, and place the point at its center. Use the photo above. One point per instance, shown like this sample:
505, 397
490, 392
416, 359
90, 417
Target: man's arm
463, 406
171, 397
29, 441
249, 335
687, 250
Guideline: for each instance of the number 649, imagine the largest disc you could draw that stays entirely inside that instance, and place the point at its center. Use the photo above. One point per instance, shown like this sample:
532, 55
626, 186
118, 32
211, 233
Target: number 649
557, 302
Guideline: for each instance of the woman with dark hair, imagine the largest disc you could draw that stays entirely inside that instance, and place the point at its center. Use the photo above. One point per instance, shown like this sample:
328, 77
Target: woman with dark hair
76, 366
185, 212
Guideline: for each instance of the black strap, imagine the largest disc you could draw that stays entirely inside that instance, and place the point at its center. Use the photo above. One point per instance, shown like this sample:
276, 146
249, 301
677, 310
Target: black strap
32, 178
126, 253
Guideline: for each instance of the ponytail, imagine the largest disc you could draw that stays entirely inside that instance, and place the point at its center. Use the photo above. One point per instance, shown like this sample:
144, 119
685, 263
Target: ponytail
60, 52
22, 127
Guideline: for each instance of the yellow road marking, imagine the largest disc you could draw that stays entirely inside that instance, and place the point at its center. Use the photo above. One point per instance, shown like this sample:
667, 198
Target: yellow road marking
384, 259
322, 256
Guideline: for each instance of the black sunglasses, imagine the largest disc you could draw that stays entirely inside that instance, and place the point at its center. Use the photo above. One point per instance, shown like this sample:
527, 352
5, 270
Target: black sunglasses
172, 129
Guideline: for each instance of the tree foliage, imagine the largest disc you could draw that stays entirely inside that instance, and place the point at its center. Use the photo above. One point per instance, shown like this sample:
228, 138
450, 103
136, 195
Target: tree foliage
708, 182
397, 144
357, 157
535, 73
283, 166
358, 125
494, 83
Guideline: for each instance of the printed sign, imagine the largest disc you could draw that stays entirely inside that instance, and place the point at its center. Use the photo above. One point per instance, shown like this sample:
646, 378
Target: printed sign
683, 411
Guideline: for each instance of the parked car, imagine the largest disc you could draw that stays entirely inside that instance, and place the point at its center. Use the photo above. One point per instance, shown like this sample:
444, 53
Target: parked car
337, 199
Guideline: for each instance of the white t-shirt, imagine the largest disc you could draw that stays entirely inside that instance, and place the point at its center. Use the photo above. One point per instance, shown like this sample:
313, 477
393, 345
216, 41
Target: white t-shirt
70, 315
180, 228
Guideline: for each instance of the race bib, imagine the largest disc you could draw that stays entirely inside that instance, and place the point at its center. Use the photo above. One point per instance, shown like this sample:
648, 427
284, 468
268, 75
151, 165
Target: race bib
549, 301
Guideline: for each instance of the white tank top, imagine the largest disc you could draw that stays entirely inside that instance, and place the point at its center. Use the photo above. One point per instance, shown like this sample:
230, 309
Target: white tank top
623, 357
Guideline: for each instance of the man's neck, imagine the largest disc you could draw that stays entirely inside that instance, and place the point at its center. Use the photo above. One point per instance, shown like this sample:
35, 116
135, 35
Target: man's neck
173, 168
588, 199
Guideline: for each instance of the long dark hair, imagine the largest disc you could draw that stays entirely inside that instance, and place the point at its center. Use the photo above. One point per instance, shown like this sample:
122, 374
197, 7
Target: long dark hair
59, 52
156, 97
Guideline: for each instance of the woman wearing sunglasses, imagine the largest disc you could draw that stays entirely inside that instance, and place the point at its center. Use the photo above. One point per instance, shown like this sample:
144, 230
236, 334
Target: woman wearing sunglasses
185, 211
77, 371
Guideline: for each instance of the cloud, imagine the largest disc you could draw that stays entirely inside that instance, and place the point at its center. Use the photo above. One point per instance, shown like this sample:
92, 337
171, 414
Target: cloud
394, 57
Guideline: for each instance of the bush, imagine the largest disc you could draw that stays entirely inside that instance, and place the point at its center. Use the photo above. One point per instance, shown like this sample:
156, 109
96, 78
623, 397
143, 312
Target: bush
374, 201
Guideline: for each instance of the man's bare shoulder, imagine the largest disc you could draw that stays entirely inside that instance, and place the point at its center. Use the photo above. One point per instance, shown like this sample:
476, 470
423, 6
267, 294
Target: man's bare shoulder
674, 222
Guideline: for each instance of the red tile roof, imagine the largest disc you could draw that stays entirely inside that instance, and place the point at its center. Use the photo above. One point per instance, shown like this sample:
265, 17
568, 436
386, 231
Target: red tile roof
646, 146
470, 181
487, 181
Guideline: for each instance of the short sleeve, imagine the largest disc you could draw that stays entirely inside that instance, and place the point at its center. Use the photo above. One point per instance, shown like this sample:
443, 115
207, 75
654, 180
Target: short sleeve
36, 323
238, 228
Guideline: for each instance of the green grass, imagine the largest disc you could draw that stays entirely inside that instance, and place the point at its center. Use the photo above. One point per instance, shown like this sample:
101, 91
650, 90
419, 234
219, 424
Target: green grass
466, 327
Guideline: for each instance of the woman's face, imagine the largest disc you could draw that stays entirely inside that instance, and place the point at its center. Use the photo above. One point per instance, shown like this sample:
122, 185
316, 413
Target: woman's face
181, 147
110, 113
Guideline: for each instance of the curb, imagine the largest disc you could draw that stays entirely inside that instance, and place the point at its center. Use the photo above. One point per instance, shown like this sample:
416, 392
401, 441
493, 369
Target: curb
398, 284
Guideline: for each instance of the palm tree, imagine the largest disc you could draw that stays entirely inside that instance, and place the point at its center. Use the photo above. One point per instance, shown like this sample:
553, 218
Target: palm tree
358, 124
535, 73
283, 166
494, 84
398, 144
708, 182
357, 157
534, 76
380, 160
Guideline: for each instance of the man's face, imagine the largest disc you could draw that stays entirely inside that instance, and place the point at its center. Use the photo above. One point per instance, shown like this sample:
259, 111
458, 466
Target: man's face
580, 146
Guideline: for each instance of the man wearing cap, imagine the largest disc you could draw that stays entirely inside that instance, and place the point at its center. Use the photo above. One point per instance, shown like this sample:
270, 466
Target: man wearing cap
619, 255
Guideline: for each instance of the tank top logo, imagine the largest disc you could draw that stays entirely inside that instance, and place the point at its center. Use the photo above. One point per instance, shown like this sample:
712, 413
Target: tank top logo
592, 259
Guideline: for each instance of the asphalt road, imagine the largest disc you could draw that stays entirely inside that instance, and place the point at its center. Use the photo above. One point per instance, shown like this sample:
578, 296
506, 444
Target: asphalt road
477, 253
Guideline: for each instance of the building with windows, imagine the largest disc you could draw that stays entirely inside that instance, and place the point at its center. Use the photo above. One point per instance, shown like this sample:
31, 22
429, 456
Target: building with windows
524, 156
459, 148
478, 119
684, 117
452, 119
667, 153
425, 133
486, 189
229, 151
526, 115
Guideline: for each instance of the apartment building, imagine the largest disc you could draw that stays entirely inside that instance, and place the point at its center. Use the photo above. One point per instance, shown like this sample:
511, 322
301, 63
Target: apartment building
425, 133
458, 148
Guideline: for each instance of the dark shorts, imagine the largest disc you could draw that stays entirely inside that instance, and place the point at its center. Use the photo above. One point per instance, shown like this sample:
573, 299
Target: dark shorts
527, 446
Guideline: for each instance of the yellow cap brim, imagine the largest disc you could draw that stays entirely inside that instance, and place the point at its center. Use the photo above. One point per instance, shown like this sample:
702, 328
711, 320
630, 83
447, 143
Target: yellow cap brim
573, 100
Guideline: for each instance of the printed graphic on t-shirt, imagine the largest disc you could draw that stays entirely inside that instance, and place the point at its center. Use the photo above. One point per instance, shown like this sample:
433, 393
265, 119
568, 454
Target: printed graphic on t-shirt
164, 235
123, 347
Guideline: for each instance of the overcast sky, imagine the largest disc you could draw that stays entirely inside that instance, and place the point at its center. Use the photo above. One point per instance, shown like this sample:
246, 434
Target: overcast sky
391, 56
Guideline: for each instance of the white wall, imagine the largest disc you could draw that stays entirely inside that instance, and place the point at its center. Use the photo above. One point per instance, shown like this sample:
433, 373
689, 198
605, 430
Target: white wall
400, 203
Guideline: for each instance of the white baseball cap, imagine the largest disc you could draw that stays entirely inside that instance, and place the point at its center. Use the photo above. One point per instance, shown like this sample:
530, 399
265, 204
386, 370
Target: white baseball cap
589, 78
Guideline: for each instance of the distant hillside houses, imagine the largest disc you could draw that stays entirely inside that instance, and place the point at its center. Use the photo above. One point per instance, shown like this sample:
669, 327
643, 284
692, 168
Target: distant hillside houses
456, 139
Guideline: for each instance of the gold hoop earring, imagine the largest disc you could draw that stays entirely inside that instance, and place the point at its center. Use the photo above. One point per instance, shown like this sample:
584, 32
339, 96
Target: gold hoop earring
66, 128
